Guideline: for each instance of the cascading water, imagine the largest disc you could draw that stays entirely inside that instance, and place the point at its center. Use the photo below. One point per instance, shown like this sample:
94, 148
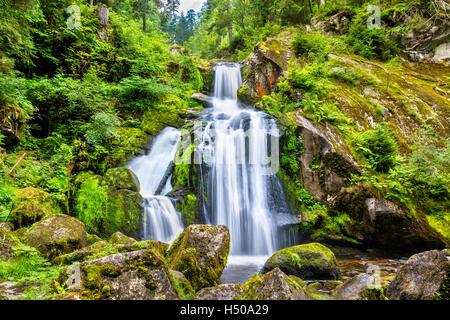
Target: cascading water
161, 220
239, 177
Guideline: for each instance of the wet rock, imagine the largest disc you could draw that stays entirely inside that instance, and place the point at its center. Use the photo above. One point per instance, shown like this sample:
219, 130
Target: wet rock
264, 69
274, 285
307, 261
222, 292
200, 253
32, 205
15, 290
57, 234
357, 287
421, 277
138, 275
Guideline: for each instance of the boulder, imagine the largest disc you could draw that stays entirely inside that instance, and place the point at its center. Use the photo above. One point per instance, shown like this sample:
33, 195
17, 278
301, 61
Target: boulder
201, 253
32, 205
222, 292
326, 163
274, 285
307, 261
422, 277
15, 290
138, 275
120, 238
7, 242
264, 69
122, 178
361, 287
381, 223
110, 204
57, 234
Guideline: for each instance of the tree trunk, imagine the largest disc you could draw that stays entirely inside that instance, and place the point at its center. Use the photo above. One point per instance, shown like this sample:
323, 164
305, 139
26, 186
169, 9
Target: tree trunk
144, 22
91, 2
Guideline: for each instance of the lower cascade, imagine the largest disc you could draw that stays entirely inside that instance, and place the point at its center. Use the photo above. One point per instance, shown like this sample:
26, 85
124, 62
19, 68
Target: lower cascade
161, 220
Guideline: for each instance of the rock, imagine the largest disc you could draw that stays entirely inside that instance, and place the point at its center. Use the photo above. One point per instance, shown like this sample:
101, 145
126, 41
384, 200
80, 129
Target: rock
32, 205
122, 178
120, 238
184, 287
202, 98
274, 285
10, 137
442, 53
339, 22
383, 224
7, 242
7, 226
201, 253
357, 287
421, 277
138, 275
16, 290
222, 292
307, 261
57, 234
103, 14
92, 238
110, 204
264, 69
325, 148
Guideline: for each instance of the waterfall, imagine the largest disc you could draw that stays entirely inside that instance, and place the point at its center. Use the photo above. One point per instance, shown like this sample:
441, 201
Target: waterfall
161, 220
241, 190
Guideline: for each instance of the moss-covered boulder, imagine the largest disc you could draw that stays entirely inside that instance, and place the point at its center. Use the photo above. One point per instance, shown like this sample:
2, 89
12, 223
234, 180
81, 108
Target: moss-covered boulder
122, 178
120, 238
274, 285
110, 204
307, 261
7, 242
31, 206
201, 253
57, 234
264, 68
422, 277
137, 275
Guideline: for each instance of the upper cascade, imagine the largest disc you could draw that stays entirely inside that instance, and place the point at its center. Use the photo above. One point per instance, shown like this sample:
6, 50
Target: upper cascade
228, 79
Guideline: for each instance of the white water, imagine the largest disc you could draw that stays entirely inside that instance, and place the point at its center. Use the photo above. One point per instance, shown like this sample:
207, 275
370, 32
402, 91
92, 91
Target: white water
239, 190
161, 220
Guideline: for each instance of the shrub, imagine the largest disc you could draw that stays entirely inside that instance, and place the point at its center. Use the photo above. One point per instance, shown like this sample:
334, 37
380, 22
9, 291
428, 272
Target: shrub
378, 147
102, 127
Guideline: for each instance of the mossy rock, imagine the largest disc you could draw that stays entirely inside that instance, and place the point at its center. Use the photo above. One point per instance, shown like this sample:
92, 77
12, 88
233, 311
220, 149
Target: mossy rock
7, 242
32, 205
307, 261
105, 209
92, 239
57, 234
120, 238
122, 178
201, 253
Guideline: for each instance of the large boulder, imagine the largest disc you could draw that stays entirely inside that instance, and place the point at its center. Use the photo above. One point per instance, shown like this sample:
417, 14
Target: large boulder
307, 261
264, 69
31, 206
422, 277
57, 234
381, 223
138, 275
326, 163
274, 285
110, 204
201, 254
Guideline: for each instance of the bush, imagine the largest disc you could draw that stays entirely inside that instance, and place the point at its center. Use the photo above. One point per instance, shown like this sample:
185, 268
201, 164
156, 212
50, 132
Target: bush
315, 45
378, 147
102, 127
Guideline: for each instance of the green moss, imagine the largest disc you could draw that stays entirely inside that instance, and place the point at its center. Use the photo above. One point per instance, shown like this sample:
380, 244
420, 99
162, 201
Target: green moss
190, 209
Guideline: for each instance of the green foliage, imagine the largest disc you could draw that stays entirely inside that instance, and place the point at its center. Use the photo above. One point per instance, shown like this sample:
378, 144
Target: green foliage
314, 45
378, 147
102, 127
374, 43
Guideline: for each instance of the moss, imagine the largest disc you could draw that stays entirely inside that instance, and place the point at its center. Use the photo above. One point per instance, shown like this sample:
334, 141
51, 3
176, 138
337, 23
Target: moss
32, 205
376, 293
444, 290
190, 209
93, 277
